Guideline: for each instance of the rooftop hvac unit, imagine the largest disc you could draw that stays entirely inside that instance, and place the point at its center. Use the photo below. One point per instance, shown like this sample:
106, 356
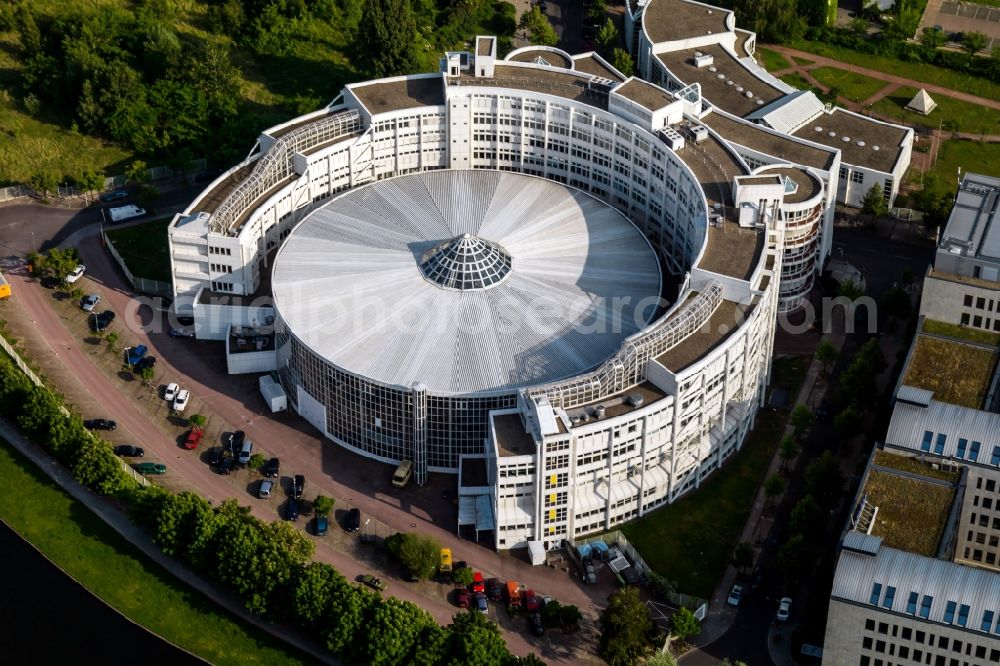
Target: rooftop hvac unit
599, 411
703, 60
700, 133
672, 138
635, 400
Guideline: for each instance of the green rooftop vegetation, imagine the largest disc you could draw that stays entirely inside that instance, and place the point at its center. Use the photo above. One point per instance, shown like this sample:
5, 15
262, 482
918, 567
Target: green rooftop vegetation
911, 514
913, 465
961, 332
957, 373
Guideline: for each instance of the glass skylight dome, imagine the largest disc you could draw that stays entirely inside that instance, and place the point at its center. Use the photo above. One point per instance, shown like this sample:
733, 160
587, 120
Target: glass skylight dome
466, 262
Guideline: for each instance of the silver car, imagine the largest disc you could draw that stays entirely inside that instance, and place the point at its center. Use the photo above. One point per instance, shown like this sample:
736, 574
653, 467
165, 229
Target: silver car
88, 303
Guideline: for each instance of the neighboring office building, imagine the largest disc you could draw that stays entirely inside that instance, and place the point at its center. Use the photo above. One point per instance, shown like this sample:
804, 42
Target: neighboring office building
918, 575
963, 286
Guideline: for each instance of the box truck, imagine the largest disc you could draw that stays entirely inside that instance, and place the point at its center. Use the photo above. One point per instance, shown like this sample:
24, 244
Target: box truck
273, 394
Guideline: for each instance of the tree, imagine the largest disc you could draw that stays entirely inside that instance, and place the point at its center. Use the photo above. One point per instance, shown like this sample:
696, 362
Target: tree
896, 303
537, 25
323, 505
726, 662
814, 12
137, 172
788, 449
684, 624
807, 516
44, 181
598, 9
607, 35
772, 20
146, 195
801, 420
858, 25
850, 290
89, 181
973, 42
385, 33
742, 557
391, 631
623, 62
310, 593
823, 480
550, 613
569, 617
475, 639
112, 339
56, 262
147, 374
848, 422
773, 487
660, 658
873, 203
625, 624
661, 586
794, 556
932, 37
826, 354
462, 576
256, 461
904, 26
198, 420
418, 553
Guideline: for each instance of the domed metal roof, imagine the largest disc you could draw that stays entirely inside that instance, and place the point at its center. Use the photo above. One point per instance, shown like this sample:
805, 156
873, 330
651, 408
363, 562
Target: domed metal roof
466, 262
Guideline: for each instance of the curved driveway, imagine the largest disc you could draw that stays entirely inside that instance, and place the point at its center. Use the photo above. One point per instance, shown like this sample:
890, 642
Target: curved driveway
330, 469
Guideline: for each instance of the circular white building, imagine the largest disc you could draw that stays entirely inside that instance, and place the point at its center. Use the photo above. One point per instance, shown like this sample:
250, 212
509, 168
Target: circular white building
456, 289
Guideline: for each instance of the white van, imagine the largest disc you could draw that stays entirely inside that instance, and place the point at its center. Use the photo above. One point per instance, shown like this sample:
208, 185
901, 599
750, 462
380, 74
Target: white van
244, 456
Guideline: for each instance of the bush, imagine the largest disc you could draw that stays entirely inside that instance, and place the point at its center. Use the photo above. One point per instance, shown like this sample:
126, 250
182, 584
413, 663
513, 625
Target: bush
323, 505
462, 576
256, 461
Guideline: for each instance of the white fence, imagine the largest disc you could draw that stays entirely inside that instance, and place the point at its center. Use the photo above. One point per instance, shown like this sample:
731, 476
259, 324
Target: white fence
139, 284
19, 362
15, 192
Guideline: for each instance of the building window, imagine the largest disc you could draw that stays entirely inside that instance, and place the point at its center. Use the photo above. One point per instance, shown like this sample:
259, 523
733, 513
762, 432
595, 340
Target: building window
926, 444
876, 593
964, 321
974, 451
995, 458
866, 643
857, 177
949, 612
890, 596
960, 452
870, 624
911, 603
963, 615
925, 606
968, 300
907, 633
942, 439
980, 303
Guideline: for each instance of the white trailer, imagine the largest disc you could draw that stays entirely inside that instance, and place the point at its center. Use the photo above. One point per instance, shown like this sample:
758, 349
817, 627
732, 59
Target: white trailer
122, 213
273, 394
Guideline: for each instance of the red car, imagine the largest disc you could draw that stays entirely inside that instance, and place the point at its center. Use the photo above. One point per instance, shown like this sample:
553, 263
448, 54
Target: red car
462, 597
531, 601
194, 438
478, 584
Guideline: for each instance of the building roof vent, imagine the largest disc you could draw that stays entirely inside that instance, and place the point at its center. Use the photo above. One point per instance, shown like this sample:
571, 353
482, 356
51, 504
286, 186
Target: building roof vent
698, 54
818, 128
875, 148
831, 133
845, 139
720, 76
861, 143
599, 411
635, 400
749, 94
739, 88
713, 68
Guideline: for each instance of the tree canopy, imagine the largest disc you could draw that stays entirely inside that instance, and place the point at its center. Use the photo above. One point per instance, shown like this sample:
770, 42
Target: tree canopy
385, 34
625, 625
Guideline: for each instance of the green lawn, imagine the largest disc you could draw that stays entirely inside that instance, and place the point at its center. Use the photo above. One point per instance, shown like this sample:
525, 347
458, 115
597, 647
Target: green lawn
691, 541
87, 549
798, 81
856, 87
771, 60
967, 117
144, 248
948, 78
967, 155
802, 61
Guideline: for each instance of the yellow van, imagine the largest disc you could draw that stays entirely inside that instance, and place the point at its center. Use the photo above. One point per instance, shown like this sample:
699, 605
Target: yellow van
445, 564
4, 287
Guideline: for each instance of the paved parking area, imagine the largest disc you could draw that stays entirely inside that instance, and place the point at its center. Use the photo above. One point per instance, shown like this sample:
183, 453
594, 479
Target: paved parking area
958, 17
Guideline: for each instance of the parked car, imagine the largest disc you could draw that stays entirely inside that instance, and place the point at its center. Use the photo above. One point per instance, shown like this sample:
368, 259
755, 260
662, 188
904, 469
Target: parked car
535, 622
114, 195
245, 452
322, 524
181, 401
215, 456
170, 393
462, 597
374, 582
145, 362
99, 424
735, 595
478, 584
151, 468
235, 442
134, 354
532, 603
89, 302
76, 274
494, 589
292, 509
784, 609
264, 492
50, 282
481, 604
271, 468
589, 574
180, 333
129, 451
226, 466
194, 438
100, 322
352, 522
298, 485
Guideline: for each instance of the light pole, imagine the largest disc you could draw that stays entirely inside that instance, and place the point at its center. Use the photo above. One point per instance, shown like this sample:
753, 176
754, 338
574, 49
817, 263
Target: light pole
34, 245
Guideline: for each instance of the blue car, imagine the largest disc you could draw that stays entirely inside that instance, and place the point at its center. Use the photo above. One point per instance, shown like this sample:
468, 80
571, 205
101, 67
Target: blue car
116, 195
134, 354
